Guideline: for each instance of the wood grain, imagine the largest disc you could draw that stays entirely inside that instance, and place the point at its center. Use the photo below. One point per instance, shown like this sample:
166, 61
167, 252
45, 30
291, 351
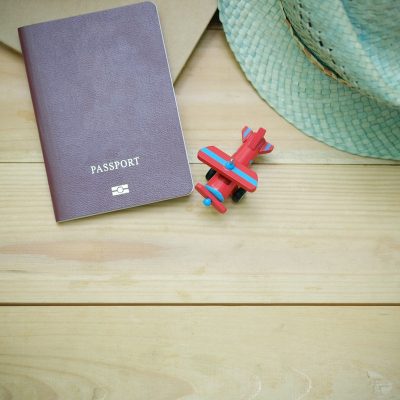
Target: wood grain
311, 234
315, 231
214, 98
200, 353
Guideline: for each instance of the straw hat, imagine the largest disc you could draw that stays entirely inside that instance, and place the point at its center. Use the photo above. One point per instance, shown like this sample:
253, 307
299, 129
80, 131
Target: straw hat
331, 68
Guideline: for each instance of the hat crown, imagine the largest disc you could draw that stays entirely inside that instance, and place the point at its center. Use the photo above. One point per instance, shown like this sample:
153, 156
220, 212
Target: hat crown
358, 40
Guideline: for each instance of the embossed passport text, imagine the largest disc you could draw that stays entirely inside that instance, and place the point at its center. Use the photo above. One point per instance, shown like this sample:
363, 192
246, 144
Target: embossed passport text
106, 111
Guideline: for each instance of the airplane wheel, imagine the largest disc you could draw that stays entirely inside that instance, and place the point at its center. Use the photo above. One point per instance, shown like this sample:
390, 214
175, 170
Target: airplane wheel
237, 196
210, 173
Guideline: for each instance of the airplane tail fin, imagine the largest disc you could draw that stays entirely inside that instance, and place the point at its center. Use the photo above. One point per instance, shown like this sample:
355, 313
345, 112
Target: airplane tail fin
245, 133
267, 148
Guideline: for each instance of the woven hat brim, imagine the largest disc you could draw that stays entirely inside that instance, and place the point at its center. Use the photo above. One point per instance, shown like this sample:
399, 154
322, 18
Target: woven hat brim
316, 104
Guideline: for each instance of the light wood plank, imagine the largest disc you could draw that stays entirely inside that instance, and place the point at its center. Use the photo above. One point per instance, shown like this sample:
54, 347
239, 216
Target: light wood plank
215, 101
200, 353
312, 234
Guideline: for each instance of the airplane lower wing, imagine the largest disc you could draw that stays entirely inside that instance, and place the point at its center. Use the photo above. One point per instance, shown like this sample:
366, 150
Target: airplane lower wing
238, 173
208, 195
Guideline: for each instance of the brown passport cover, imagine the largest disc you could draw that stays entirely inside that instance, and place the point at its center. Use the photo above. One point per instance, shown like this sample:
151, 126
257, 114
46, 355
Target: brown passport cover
106, 111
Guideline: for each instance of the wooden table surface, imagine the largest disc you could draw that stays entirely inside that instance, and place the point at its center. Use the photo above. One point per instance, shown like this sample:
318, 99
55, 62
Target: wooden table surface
293, 294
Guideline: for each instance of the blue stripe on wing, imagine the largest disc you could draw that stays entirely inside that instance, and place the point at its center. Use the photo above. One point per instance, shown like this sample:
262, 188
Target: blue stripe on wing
215, 192
235, 170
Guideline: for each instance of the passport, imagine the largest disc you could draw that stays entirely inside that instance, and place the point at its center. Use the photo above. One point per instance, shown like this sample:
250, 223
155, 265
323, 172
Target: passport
106, 111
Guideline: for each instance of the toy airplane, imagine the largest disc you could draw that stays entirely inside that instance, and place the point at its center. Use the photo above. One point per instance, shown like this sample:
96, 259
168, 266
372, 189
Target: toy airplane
231, 176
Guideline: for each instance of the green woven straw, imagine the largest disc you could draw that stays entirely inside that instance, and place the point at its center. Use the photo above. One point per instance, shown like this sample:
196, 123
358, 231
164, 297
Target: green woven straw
285, 46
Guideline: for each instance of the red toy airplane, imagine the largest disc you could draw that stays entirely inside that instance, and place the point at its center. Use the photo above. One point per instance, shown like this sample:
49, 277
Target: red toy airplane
231, 176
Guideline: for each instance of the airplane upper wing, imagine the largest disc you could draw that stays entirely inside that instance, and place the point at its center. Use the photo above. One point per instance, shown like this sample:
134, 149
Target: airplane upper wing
240, 174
